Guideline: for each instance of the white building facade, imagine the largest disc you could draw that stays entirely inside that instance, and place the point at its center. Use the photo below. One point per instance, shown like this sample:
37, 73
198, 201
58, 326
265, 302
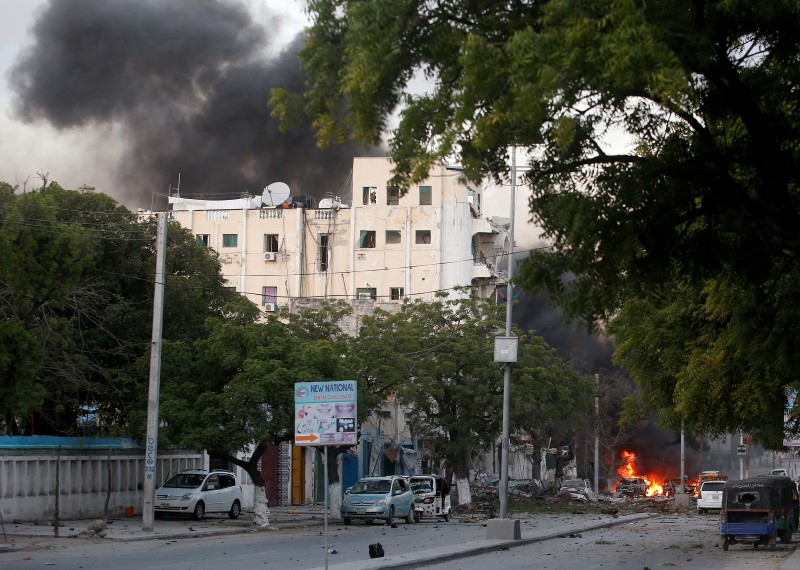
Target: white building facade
373, 247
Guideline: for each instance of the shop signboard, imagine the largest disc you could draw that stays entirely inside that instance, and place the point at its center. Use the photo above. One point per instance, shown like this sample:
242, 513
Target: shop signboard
325, 413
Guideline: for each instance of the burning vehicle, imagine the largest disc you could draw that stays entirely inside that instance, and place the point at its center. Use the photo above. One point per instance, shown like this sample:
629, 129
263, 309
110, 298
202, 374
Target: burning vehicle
634, 483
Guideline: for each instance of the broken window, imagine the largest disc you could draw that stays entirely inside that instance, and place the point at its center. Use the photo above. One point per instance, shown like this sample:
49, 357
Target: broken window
396, 293
323, 252
230, 240
367, 239
423, 236
369, 195
392, 196
203, 239
393, 237
425, 195
271, 243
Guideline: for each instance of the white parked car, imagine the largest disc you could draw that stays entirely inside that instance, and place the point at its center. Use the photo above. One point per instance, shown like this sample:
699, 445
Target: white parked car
196, 492
710, 496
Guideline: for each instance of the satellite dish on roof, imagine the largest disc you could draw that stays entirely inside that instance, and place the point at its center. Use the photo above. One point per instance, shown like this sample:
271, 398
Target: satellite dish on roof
275, 194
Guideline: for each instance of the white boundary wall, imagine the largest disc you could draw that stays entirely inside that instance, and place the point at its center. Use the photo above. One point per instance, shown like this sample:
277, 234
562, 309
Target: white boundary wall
28, 482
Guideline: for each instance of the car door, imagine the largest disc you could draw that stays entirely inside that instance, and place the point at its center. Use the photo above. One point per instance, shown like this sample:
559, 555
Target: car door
406, 497
212, 493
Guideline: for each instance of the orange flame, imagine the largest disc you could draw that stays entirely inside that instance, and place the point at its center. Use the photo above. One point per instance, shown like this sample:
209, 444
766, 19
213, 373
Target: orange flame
629, 470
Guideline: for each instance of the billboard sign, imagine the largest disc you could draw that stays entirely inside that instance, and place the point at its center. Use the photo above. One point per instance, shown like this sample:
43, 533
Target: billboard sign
325, 413
789, 420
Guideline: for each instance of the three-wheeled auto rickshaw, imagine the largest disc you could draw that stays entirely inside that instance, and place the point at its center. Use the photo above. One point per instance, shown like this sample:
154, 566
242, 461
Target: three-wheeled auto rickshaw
431, 497
759, 510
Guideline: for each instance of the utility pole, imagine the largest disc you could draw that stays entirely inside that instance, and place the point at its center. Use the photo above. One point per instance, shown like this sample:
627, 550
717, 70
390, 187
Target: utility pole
151, 448
597, 434
683, 461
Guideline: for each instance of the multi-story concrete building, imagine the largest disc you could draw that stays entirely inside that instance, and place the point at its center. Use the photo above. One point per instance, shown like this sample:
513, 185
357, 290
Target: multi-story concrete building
371, 247
380, 246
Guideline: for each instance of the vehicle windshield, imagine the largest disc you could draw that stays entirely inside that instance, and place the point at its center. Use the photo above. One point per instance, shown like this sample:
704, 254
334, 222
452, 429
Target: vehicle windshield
573, 483
380, 487
420, 486
185, 481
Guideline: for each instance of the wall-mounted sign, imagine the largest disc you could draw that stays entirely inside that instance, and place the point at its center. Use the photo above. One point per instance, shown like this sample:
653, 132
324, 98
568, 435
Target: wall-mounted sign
325, 413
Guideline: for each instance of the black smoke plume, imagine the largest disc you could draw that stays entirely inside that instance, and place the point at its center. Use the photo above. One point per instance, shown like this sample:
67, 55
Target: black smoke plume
187, 82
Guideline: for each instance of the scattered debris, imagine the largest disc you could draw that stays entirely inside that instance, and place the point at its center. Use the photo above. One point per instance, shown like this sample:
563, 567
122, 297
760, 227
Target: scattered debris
376, 550
96, 529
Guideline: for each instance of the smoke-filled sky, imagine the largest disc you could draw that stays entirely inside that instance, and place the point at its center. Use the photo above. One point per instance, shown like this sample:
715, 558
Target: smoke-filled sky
126, 95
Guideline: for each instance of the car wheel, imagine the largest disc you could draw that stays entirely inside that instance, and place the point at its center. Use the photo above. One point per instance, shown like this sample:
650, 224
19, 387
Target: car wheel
410, 516
236, 510
447, 517
390, 518
158, 514
417, 516
346, 521
199, 511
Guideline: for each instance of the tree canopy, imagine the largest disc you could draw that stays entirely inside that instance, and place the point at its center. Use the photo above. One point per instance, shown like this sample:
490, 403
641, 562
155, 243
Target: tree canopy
699, 191
437, 357
76, 299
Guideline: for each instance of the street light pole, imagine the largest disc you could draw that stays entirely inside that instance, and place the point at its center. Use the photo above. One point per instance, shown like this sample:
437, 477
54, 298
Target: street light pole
507, 368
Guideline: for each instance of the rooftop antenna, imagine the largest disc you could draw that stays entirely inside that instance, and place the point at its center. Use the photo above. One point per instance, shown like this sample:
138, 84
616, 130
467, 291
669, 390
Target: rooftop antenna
178, 189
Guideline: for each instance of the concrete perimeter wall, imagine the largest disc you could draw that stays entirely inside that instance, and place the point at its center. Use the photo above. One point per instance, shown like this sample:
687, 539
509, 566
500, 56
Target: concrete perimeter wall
30, 479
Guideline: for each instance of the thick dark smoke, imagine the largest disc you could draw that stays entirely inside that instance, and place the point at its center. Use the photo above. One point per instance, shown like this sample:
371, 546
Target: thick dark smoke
589, 353
188, 83
658, 449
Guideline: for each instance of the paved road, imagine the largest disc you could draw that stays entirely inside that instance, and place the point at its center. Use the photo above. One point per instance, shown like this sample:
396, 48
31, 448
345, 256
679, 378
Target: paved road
679, 541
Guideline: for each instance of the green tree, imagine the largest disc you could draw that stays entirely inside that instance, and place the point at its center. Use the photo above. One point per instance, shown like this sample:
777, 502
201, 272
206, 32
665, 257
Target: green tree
550, 398
232, 391
76, 307
704, 192
438, 358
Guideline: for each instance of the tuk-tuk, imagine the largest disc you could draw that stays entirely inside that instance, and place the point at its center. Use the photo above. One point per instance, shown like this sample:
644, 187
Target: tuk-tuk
759, 510
431, 497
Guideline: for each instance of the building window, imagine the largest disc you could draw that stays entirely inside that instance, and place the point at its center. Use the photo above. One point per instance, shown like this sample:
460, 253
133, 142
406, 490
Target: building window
393, 237
396, 293
366, 293
230, 240
367, 239
203, 239
369, 195
425, 195
271, 243
323, 252
423, 237
269, 295
392, 196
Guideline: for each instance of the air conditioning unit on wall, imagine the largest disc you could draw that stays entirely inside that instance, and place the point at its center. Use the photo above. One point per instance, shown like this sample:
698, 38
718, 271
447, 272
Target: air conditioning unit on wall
270, 255
269, 307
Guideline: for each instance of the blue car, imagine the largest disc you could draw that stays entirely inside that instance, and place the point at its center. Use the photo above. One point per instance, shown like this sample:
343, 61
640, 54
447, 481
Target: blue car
384, 498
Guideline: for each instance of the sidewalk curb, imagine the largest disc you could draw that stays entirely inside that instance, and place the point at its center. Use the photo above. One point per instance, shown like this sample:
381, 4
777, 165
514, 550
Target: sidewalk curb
485, 546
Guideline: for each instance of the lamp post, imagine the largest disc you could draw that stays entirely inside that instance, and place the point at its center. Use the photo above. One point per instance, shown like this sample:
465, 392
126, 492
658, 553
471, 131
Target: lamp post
508, 340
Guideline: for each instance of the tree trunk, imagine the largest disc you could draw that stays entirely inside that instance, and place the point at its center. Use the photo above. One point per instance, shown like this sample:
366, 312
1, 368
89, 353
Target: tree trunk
462, 482
260, 508
334, 483
251, 466
335, 498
